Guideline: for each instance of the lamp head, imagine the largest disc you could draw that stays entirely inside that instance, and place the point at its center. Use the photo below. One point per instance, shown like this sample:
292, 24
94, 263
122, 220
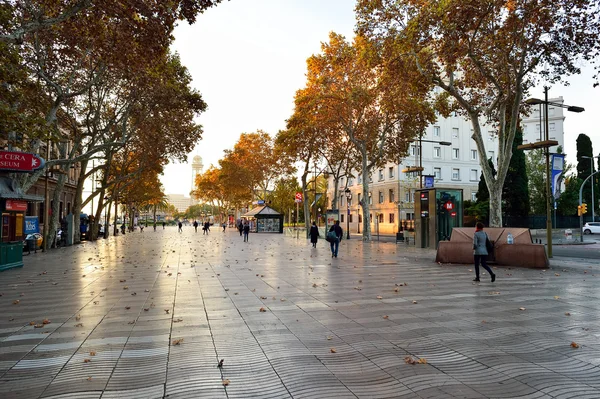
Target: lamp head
533, 101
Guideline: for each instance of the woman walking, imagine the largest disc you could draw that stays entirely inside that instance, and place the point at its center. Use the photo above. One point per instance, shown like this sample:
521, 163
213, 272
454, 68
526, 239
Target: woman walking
480, 251
314, 234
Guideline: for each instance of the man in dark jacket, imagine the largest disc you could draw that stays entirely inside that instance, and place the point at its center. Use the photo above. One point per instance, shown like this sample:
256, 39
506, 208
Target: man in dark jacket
335, 243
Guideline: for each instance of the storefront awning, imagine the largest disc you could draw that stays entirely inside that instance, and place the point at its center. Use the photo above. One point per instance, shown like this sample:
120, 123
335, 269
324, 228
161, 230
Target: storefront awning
10, 190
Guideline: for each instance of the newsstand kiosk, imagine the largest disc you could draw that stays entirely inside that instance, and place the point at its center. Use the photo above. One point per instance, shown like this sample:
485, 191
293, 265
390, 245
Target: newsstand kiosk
13, 205
12, 233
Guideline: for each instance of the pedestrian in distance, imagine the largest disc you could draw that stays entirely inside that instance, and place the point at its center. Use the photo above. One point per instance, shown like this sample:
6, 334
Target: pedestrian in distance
480, 251
246, 231
154, 226
224, 225
241, 228
180, 227
164, 225
195, 226
141, 228
207, 227
334, 236
314, 234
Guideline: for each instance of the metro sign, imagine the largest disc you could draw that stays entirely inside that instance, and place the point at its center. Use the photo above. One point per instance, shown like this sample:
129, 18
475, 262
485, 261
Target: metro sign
298, 197
20, 161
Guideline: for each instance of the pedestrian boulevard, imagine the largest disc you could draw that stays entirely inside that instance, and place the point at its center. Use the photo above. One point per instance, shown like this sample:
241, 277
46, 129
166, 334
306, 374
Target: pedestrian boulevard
151, 315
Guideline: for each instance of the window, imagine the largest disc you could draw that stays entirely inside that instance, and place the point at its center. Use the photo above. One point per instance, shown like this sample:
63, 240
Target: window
455, 153
341, 218
350, 181
490, 135
381, 197
473, 174
437, 152
473, 196
391, 172
370, 199
391, 195
537, 128
473, 155
391, 218
437, 173
341, 182
454, 132
455, 174
359, 197
552, 127
551, 111
436, 131
370, 179
68, 208
380, 218
359, 218
380, 174
341, 199
492, 156
350, 218
414, 150
407, 197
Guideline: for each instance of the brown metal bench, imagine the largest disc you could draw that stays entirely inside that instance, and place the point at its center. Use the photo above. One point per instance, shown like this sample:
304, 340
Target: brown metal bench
522, 252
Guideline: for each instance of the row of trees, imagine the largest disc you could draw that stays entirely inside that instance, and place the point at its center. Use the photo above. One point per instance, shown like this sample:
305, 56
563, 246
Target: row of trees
256, 168
85, 81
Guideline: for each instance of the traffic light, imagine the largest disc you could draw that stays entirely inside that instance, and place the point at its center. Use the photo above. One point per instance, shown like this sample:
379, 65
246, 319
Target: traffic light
583, 208
579, 213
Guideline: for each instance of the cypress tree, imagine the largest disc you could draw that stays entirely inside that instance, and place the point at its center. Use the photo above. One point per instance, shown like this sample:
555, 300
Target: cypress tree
515, 193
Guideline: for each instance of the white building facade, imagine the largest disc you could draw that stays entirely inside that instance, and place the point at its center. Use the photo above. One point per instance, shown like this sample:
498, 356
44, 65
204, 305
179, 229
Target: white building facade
454, 166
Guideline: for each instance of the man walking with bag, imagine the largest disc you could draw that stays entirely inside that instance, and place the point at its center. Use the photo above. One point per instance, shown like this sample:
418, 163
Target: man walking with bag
480, 251
334, 236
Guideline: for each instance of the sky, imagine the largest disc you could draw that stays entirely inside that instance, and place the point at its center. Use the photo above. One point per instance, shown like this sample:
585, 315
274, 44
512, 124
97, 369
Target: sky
248, 58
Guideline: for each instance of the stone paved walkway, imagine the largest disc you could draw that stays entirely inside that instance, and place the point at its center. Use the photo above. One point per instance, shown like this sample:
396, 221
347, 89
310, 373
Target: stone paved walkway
149, 315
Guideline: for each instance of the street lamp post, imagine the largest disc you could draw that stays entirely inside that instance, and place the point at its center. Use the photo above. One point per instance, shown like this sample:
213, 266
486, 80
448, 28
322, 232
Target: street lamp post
546, 144
592, 183
348, 198
319, 218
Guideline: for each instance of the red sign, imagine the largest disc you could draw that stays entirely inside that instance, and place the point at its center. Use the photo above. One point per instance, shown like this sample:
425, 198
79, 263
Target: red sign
20, 161
449, 206
298, 197
12, 205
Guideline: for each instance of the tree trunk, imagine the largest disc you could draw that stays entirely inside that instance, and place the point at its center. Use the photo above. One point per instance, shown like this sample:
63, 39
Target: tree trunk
365, 199
77, 202
54, 218
495, 205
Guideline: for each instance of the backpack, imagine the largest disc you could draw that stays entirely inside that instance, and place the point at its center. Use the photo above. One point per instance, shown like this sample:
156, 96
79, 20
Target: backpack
331, 236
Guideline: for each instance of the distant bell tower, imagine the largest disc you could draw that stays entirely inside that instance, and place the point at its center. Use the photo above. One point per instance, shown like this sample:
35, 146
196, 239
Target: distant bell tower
196, 169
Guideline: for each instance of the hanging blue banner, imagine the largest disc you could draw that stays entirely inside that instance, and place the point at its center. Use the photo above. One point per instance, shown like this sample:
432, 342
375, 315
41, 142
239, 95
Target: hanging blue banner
32, 225
557, 164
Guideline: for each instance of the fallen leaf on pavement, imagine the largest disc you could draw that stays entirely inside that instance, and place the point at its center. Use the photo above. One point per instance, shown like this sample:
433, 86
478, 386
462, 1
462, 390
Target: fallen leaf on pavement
574, 345
332, 350
177, 341
262, 310
567, 314
521, 308
225, 382
379, 297
386, 317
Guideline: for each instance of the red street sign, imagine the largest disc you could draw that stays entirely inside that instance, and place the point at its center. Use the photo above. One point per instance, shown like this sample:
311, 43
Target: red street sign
20, 161
12, 205
298, 197
449, 205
